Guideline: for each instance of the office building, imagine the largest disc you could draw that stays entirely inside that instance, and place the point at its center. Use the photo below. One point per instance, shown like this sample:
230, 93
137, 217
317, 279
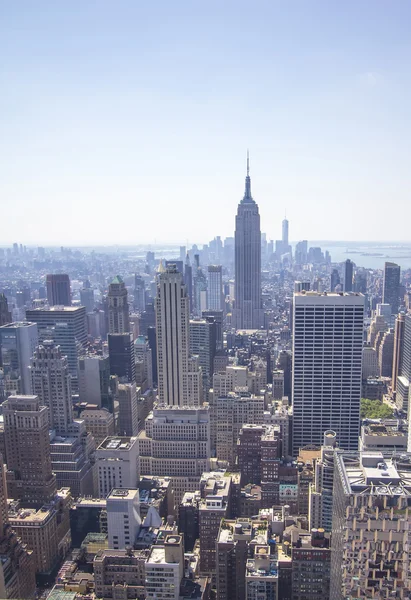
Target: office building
121, 570
398, 350
66, 326
200, 286
116, 460
118, 313
98, 422
17, 574
248, 312
391, 286
58, 290
188, 519
258, 451
203, 345
176, 443
26, 428
403, 380
139, 294
188, 281
229, 413
216, 317
384, 435
165, 569
123, 518
144, 360
386, 354
348, 275
327, 355
179, 378
51, 382
215, 298
245, 567
127, 398
87, 297
122, 356
311, 565
94, 379
301, 251
370, 367
335, 280
371, 536
216, 501
5, 314
320, 511
17, 344
70, 460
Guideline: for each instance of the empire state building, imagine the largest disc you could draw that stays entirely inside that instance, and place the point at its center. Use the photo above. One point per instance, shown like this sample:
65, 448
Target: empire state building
248, 313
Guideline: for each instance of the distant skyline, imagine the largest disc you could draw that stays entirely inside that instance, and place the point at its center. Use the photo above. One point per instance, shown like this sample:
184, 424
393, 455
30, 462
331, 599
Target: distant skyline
129, 122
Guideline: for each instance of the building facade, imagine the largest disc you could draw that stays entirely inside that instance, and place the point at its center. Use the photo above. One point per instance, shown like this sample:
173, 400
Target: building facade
327, 355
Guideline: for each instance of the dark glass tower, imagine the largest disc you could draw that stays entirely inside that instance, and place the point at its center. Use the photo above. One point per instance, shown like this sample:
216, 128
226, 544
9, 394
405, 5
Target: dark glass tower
247, 313
391, 286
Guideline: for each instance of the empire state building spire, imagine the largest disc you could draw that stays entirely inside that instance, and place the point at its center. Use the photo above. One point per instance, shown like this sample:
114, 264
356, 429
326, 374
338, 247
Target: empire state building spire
247, 193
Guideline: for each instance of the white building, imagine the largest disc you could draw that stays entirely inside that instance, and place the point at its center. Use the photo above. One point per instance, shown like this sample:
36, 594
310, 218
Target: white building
327, 362
371, 534
165, 569
116, 460
123, 518
369, 362
176, 443
179, 384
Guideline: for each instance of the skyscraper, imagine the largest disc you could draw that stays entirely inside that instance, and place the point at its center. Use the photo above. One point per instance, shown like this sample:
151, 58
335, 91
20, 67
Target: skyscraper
404, 379
51, 382
17, 344
370, 530
391, 286
87, 297
177, 376
215, 297
398, 349
188, 280
118, 313
348, 275
247, 313
5, 314
67, 327
327, 355
122, 356
58, 289
26, 431
285, 232
139, 293
335, 279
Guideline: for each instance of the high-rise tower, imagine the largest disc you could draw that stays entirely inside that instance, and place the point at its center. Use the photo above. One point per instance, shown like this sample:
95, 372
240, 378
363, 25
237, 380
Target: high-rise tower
179, 379
5, 314
58, 289
285, 232
248, 313
51, 382
327, 360
391, 286
118, 315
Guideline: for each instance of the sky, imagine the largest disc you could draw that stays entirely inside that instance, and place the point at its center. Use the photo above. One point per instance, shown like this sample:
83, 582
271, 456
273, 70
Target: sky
128, 122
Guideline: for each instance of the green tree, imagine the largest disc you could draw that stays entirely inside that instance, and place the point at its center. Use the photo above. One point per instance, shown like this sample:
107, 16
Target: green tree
374, 409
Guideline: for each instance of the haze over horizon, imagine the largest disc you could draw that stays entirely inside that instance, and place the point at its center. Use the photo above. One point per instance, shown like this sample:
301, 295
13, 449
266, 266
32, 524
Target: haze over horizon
129, 123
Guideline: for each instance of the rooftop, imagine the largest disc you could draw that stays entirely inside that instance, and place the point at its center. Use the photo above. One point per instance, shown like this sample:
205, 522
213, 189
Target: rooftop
375, 473
117, 443
122, 494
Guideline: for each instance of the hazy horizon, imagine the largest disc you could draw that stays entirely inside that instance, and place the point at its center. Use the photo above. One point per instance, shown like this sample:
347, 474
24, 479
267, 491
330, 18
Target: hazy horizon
131, 121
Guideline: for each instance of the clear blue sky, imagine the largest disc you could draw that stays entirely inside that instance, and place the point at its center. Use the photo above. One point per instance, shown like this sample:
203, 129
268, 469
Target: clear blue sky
128, 121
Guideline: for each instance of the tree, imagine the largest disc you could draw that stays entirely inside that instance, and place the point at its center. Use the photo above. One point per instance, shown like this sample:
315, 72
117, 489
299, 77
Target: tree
375, 409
